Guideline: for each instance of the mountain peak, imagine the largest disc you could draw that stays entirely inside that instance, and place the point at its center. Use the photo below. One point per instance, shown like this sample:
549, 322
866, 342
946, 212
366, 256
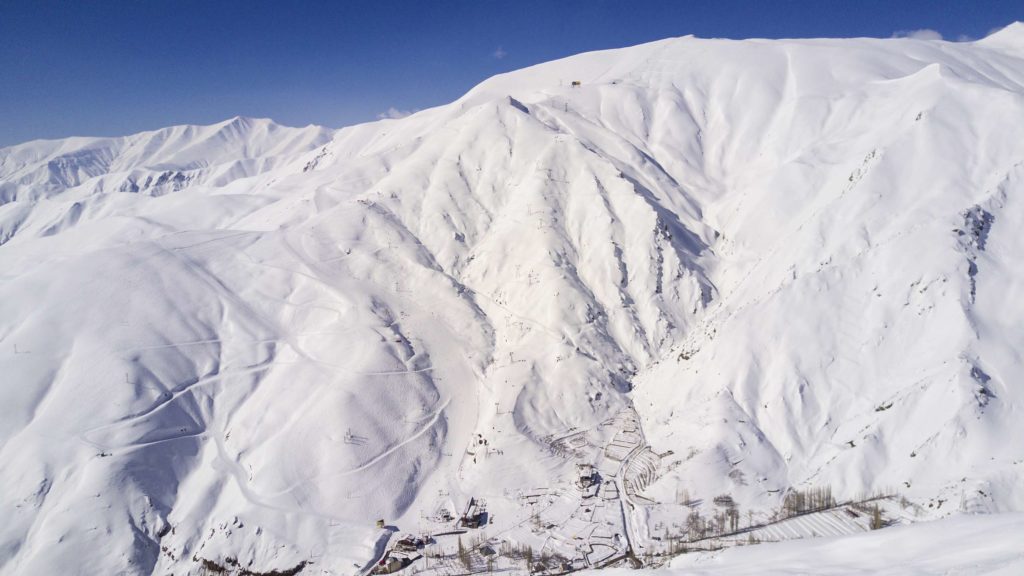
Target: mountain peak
1010, 35
246, 121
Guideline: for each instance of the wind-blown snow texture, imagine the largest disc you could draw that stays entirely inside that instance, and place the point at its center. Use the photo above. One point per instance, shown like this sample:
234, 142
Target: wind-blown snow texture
801, 261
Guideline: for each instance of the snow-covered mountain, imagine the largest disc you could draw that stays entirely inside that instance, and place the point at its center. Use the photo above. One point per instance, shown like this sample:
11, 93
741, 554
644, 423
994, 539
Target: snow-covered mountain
788, 264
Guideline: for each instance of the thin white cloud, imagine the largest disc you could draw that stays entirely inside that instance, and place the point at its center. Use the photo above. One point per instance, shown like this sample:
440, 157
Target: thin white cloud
393, 113
499, 53
921, 34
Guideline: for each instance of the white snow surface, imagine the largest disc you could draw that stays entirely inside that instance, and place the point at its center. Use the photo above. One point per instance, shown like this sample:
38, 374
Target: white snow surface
800, 261
967, 545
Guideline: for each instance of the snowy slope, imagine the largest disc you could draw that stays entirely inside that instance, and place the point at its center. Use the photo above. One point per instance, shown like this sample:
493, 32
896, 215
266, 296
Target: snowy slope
966, 545
154, 162
797, 260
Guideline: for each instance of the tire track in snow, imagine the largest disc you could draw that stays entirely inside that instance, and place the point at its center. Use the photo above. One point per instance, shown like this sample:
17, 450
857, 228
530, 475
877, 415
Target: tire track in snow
193, 343
376, 459
239, 474
159, 405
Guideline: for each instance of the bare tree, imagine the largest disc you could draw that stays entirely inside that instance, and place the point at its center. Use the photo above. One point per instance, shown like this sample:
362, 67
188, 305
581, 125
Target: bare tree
695, 525
463, 554
876, 517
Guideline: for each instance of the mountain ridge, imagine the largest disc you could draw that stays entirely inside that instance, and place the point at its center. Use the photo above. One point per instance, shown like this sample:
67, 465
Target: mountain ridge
793, 261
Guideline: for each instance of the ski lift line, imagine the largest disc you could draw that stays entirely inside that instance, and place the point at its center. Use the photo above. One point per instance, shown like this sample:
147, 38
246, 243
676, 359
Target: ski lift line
514, 314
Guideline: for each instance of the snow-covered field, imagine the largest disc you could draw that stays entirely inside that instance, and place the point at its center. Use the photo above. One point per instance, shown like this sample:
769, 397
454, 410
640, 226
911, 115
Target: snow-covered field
967, 545
710, 272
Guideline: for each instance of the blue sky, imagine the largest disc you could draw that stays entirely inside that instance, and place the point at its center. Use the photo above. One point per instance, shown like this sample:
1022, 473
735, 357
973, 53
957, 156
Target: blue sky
117, 67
